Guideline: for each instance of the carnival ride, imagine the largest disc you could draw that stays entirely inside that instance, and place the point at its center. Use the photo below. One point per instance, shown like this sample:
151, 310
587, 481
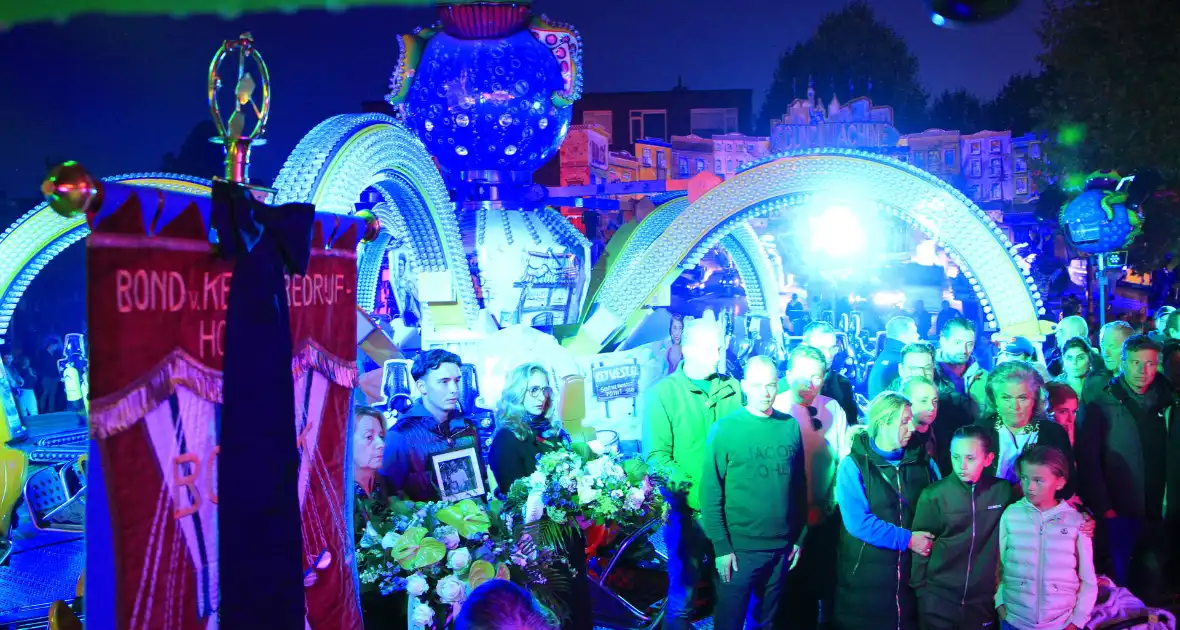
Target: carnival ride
483, 99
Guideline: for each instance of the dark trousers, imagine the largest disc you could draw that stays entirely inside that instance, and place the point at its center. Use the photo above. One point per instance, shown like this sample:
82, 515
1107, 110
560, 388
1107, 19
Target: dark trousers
937, 613
1138, 552
755, 588
689, 555
811, 587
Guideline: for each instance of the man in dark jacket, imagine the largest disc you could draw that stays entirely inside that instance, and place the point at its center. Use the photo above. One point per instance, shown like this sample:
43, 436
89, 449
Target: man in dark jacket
899, 332
961, 380
1129, 462
956, 584
822, 336
433, 426
1110, 346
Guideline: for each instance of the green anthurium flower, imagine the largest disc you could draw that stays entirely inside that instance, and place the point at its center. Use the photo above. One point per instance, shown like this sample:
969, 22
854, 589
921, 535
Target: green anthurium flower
467, 517
415, 550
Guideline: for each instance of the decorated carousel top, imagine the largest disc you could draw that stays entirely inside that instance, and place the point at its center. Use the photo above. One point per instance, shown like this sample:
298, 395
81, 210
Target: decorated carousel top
489, 90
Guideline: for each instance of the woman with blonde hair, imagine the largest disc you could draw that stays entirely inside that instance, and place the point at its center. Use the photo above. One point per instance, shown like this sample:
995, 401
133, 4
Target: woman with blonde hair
877, 487
527, 425
1015, 417
527, 428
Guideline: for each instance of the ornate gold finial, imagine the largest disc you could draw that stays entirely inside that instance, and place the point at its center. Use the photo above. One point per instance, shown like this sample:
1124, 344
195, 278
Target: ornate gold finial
232, 131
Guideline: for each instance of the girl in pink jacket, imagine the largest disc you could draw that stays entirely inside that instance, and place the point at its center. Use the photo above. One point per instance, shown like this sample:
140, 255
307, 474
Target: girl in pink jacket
1047, 579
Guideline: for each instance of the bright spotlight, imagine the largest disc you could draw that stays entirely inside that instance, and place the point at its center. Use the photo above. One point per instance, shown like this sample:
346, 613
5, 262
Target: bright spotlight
837, 231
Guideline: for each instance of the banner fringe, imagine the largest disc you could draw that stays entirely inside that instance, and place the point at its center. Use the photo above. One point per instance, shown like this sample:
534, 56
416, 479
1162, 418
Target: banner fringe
114, 413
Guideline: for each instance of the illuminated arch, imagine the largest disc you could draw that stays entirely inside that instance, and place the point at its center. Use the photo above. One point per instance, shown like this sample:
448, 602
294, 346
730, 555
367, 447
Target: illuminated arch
41, 234
750, 259
348, 155
1007, 292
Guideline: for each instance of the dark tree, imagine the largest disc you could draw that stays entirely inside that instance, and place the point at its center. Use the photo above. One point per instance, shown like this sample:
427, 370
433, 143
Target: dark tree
850, 47
957, 110
197, 156
1112, 102
1017, 104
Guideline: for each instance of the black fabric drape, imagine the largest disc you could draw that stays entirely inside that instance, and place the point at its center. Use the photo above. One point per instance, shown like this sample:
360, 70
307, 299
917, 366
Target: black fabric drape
259, 528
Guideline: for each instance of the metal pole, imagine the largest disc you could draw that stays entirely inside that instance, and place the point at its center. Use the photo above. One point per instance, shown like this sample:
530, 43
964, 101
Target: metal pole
1102, 289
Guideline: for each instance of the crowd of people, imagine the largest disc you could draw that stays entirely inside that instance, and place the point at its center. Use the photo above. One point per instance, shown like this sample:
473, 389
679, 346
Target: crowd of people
963, 498
957, 471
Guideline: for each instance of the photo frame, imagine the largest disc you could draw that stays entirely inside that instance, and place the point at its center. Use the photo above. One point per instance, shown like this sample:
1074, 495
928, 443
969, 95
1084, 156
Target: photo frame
457, 474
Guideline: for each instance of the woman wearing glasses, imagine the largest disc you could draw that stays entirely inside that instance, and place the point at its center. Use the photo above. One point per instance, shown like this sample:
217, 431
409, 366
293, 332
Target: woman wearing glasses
528, 427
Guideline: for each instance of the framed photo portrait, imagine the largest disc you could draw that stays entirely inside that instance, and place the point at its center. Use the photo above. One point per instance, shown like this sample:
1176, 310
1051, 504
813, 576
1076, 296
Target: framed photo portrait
457, 474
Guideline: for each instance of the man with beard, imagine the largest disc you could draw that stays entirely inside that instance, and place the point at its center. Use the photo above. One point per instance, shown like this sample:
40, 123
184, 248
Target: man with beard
822, 337
962, 382
1129, 463
681, 409
1110, 343
824, 428
899, 332
434, 425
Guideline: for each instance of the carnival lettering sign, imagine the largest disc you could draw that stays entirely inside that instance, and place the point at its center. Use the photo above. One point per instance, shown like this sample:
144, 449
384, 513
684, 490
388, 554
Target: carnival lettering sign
616, 381
849, 135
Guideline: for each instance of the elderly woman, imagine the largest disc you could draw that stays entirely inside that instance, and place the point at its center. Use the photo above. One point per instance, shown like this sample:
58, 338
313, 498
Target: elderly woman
526, 425
877, 487
369, 501
368, 448
1015, 417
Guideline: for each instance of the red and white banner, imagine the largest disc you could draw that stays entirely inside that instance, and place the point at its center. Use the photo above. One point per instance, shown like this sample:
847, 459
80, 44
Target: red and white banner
157, 308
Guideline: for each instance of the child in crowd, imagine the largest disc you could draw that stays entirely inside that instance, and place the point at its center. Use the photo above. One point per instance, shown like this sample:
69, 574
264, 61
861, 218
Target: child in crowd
1047, 579
956, 583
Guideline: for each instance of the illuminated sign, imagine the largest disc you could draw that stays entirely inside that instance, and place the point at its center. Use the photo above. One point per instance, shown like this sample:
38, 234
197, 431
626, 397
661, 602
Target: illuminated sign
848, 135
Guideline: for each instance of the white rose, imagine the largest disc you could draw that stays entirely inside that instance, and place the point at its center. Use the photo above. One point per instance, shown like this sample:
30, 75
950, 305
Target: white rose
416, 585
389, 540
635, 498
423, 615
451, 590
597, 468
458, 559
586, 491
537, 480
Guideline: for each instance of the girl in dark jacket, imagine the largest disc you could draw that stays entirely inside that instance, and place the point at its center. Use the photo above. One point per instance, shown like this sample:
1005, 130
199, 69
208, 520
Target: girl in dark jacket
1015, 419
877, 487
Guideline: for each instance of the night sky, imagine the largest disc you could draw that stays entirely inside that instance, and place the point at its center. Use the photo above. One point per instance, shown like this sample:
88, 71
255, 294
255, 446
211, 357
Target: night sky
117, 94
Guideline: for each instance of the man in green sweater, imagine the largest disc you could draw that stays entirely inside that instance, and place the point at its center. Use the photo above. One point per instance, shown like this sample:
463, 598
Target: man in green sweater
754, 502
679, 412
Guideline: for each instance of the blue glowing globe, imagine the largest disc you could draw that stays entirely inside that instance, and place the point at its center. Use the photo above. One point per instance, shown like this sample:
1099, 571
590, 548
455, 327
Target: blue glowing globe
486, 104
1098, 221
